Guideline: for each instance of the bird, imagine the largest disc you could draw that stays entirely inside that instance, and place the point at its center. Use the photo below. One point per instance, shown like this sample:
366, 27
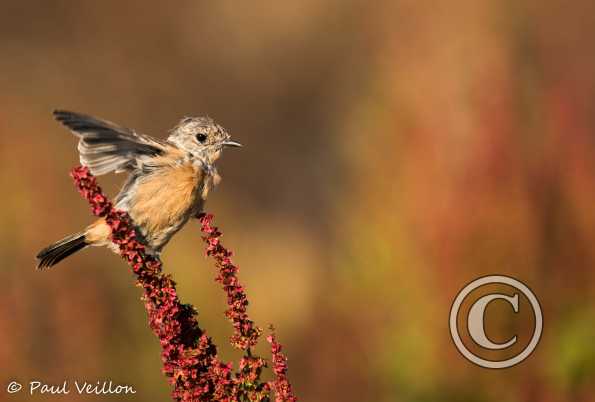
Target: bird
168, 180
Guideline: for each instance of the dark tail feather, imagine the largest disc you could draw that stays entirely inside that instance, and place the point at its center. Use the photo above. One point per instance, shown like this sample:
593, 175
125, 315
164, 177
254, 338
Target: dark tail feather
56, 252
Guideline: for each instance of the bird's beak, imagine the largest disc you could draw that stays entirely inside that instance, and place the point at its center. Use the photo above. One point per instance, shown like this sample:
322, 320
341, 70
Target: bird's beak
232, 144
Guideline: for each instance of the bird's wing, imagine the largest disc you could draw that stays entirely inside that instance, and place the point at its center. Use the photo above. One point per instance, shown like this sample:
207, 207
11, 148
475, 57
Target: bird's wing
105, 147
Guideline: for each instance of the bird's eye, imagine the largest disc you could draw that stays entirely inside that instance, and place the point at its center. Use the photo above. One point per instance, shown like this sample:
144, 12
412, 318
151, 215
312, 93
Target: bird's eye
201, 137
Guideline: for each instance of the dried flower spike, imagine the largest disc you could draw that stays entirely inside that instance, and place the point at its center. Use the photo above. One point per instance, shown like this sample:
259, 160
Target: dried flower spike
189, 356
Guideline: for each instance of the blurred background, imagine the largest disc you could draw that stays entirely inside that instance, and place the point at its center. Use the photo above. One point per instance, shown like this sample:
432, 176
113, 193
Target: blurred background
394, 151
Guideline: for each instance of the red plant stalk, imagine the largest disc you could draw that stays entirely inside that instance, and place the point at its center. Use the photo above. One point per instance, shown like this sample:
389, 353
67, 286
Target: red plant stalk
189, 356
281, 384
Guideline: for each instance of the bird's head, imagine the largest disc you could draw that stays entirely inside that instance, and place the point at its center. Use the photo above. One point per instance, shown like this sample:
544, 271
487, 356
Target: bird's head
202, 137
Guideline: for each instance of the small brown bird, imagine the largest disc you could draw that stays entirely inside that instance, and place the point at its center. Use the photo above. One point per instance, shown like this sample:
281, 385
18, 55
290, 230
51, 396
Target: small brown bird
168, 180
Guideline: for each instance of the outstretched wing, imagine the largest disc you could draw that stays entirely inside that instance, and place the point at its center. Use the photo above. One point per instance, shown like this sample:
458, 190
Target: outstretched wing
105, 147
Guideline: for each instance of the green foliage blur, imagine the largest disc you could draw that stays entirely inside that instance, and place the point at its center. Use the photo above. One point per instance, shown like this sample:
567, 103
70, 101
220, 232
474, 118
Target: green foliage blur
393, 151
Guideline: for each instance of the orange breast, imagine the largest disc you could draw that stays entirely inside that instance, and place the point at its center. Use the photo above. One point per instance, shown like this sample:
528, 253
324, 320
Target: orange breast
164, 200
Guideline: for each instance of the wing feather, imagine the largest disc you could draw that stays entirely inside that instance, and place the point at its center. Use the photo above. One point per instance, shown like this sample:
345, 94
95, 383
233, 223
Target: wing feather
105, 146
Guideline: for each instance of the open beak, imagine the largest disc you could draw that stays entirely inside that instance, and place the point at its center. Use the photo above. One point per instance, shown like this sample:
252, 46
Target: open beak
232, 144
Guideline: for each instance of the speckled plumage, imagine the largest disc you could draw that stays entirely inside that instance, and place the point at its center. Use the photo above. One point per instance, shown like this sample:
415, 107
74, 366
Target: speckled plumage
168, 180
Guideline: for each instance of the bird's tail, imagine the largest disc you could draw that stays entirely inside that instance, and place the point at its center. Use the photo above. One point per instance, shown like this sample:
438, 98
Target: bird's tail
54, 253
